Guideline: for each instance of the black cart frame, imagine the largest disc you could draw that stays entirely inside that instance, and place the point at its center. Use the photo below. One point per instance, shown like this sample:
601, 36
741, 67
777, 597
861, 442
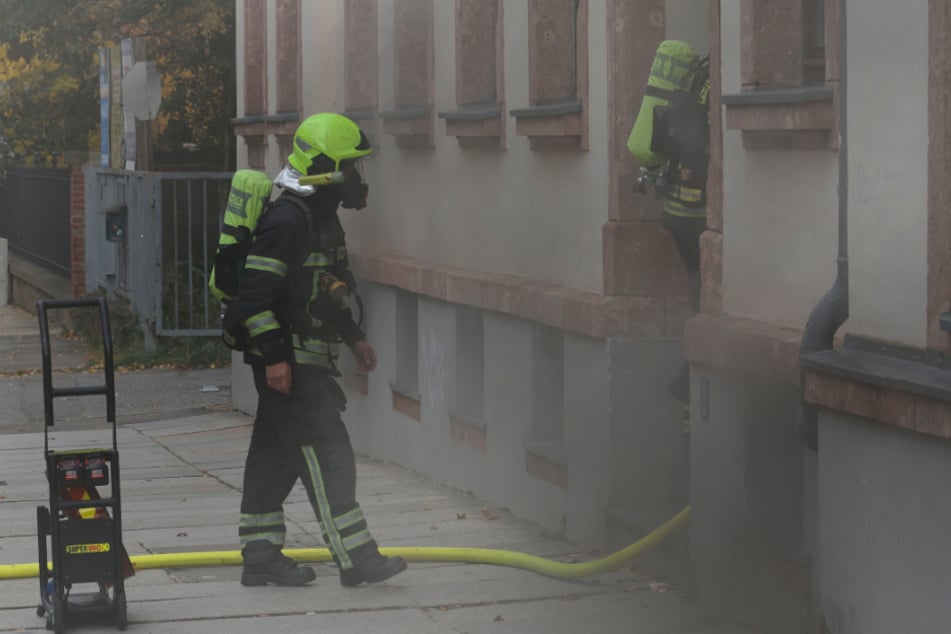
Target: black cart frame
82, 527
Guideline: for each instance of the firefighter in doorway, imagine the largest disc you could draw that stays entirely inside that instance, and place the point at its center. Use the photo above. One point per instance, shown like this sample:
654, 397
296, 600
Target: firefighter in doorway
671, 140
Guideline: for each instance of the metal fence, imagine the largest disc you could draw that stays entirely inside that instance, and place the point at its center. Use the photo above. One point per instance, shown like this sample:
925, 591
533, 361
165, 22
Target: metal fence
34, 215
161, 259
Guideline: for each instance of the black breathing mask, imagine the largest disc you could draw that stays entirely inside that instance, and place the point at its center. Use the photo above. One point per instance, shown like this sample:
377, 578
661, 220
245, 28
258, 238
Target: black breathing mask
354, 192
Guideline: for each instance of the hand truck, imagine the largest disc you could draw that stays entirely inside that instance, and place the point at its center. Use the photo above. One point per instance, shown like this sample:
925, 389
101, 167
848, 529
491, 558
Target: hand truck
82, 527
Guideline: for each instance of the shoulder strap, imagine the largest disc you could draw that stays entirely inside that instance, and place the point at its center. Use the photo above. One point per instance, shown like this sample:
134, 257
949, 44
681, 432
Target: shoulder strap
308, 216
305, 209
701, 75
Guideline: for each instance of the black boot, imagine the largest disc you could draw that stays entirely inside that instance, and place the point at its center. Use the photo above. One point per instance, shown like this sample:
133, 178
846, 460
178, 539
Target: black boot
264, 563
372, 569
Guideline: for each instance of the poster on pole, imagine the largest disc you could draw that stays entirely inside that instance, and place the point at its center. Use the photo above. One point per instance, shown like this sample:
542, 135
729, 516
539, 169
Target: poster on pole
115, 108
128, 119
104, 107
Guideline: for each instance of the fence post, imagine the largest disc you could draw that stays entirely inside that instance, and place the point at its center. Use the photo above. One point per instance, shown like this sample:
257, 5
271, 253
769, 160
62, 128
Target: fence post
4, 273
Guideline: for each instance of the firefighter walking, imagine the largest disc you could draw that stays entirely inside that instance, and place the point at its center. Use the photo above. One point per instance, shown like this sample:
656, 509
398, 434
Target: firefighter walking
290, 318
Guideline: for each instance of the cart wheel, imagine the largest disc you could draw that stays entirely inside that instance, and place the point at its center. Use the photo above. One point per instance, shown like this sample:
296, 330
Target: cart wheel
57, 615
122, 617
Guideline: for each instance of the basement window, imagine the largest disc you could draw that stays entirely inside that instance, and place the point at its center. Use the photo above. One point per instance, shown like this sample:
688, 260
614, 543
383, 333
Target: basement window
545, 450
405, 386
467, 415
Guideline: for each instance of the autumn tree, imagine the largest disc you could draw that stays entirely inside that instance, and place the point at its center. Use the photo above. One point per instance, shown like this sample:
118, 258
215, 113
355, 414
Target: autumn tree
49, 74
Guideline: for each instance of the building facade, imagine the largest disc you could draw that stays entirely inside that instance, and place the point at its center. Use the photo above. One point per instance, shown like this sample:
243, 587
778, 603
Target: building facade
527, 307
828, 517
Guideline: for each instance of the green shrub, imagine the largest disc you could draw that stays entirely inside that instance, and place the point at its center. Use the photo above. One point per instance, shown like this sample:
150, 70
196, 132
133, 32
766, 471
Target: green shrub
128, 342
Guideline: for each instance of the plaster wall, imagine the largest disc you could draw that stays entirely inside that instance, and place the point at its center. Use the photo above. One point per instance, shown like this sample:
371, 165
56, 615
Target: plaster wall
888, 172
684, 21
884, 545
779, 215
505, 211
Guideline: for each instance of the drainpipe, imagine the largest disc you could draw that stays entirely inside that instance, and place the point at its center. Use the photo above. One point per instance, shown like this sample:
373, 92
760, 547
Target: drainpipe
833, 309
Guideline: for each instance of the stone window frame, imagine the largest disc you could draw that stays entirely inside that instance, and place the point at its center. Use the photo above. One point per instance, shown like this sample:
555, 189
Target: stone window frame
478, 120
289, 68
778, 108
257, 125
411, 122
361, 64
561, 123
255, 82
255, 57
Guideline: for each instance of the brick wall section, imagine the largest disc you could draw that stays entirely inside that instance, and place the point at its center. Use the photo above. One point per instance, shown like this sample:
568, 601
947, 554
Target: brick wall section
77, 232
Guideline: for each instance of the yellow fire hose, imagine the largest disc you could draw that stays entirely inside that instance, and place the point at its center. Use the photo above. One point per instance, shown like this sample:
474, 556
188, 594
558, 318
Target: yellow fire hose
509, 558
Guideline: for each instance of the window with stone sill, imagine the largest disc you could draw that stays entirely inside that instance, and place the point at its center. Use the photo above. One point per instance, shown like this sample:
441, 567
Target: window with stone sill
361, 64
478, 120
257, 125
288, 56
789, 72
814, 42
556, 116
255, 57
411, 123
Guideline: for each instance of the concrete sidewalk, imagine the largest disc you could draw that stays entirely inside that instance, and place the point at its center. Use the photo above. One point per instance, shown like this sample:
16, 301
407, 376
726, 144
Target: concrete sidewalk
181, 481
182, 453
140, 395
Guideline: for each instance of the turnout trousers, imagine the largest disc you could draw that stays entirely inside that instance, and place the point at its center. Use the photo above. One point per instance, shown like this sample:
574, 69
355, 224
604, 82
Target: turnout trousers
302, 437
686, 231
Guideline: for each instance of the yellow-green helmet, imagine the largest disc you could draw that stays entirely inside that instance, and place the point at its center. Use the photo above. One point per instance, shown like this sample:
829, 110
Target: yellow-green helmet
325, 139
